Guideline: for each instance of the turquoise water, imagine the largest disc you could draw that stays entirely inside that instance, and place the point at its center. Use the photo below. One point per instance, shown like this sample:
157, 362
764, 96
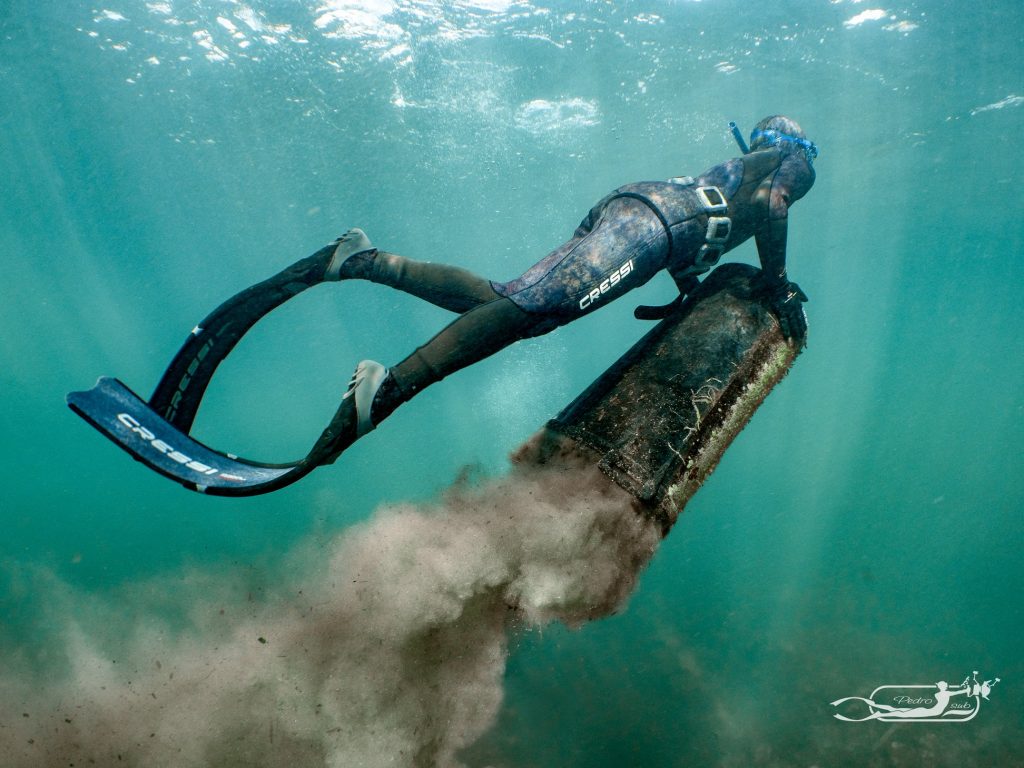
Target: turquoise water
865, 529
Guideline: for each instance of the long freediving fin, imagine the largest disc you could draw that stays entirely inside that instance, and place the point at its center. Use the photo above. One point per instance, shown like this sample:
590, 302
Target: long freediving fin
157, 433
178, 394
126, 419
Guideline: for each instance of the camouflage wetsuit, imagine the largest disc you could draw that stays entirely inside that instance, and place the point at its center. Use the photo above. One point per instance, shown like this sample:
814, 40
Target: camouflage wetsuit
683, 225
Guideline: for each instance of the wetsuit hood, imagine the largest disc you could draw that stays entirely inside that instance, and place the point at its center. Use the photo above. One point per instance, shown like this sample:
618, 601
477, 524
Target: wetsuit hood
785, 134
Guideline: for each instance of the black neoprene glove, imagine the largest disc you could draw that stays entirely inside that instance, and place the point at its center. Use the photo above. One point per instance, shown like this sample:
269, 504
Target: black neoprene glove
686, 286
786, 300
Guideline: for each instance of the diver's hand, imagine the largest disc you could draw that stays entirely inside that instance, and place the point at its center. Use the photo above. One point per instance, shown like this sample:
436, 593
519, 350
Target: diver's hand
686, 286
660, 312
786, 300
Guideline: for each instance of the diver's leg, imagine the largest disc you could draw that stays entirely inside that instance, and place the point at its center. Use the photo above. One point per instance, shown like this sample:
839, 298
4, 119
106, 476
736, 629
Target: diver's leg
374, 391
625, 246
597, 266
473, 336
451, 288
618, 252
621, 250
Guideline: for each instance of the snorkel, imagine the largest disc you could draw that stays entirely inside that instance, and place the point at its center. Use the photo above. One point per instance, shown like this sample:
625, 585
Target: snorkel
739, 137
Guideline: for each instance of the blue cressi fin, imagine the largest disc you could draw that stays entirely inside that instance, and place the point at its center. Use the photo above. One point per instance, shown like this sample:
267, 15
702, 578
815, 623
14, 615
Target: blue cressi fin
125, 418
157, 432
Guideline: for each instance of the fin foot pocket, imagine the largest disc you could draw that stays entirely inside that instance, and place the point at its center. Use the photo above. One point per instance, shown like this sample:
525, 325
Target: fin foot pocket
352, 257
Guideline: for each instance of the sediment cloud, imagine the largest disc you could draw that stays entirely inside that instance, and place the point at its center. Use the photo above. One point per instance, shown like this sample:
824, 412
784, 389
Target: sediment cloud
390, 651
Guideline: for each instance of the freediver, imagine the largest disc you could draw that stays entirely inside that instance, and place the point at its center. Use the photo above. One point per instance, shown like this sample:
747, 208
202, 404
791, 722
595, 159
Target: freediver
683, 225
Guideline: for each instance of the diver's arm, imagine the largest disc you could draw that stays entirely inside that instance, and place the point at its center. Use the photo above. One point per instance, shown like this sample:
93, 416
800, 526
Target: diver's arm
771, 237
686, 285
785, 297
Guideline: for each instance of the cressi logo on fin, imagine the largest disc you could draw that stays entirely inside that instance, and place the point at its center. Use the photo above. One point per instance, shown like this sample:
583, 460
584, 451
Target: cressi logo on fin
126, 419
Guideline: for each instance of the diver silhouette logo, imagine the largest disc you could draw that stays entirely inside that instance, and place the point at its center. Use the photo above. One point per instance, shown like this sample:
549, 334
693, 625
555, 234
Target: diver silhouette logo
936, 703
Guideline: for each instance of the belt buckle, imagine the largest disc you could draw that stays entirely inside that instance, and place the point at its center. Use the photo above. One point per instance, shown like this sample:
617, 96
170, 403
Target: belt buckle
708, 256
719, 229
713, 199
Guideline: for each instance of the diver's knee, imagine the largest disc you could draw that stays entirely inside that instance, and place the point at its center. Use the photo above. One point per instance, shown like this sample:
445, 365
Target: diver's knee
531, 324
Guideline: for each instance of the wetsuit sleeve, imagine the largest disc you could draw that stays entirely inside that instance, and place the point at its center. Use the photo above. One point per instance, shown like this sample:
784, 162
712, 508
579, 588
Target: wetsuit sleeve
771, 236
685, 283
590, 220
776, 193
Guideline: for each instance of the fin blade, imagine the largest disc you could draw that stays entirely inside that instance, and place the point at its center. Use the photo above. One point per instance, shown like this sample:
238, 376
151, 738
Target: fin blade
122, 416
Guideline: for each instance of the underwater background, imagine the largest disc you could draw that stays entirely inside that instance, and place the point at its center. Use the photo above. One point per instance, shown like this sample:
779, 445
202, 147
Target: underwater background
865, 529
